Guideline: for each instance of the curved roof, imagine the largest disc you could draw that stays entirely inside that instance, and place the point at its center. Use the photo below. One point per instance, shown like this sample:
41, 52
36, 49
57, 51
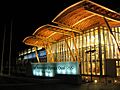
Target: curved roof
48, 34
77, 17
33, 41
86, 14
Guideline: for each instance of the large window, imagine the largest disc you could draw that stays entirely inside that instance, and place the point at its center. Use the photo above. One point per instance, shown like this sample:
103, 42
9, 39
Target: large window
94, 47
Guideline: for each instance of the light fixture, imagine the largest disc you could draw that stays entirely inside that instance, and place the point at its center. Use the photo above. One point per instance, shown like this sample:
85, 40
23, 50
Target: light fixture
115, 81
95, 81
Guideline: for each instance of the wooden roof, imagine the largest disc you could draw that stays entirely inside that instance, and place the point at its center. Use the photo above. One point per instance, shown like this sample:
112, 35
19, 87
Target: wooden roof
33, 41
48, 34
86, 14
74, 19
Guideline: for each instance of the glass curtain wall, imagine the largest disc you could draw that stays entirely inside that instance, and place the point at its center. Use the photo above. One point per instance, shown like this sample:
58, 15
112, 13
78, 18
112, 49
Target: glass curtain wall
116, 32
94, 47
90, 52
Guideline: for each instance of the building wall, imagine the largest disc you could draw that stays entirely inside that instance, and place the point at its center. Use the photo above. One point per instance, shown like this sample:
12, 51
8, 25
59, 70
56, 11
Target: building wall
94, 47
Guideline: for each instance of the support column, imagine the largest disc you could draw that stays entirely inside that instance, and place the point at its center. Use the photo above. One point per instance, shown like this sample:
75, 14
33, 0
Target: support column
51, 53
70, 50
76, 50
46, 52
108, 26
36, 54
100, 52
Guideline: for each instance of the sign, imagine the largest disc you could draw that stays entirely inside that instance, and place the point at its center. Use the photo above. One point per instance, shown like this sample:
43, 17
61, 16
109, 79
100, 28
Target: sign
51, 69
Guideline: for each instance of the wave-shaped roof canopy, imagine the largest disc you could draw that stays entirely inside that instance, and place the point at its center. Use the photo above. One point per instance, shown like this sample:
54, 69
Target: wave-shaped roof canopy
86, 14
74, 19
48, 34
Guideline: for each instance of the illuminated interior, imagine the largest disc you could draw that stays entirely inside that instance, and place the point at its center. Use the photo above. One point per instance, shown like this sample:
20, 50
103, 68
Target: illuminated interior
89, 40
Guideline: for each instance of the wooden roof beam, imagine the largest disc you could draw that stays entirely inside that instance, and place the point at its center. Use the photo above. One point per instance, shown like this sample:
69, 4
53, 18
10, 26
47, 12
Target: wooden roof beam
103, 11
88, 6
45, 39
83, 20
63, 29
97, 24
104, 16
51, 35
60, 31
75, 30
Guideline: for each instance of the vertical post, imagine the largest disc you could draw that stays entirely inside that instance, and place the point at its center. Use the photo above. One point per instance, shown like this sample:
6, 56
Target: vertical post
51, 53
91, 63
3, 50
76, 50
70, 50
46, 52
105, 56
100, 52
87, 52
108, 26
36, 54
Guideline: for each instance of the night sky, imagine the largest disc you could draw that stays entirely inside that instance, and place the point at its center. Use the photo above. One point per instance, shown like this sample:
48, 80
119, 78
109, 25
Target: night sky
28, 15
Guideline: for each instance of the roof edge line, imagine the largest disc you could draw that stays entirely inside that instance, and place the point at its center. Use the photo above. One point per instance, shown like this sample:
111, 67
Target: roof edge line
105, 16
39, 28
26, 38
103, 7
67, 9
81, 2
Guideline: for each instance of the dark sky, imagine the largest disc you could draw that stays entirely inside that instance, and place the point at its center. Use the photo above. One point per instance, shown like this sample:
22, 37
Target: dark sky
28, 15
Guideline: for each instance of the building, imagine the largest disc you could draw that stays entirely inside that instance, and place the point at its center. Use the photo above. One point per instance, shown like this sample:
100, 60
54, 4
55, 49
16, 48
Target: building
87, 33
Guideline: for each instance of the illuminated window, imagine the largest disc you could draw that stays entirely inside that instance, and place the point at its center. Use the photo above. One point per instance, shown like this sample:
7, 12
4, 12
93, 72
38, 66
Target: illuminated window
25, 52
33, 50
39, 48
118, 71
29, 50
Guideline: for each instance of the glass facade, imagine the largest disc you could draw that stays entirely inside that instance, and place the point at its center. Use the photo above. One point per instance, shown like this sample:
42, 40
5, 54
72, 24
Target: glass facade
29, 55
94, 46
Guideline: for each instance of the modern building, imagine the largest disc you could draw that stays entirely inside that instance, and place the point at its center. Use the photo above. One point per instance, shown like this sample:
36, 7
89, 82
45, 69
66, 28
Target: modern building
87, 33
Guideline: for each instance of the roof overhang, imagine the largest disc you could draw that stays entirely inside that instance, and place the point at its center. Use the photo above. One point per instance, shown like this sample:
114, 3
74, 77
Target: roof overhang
86, 14
74, 19
48, 34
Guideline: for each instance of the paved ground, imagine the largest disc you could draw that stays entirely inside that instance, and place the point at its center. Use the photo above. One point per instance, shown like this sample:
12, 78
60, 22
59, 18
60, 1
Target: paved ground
21, 83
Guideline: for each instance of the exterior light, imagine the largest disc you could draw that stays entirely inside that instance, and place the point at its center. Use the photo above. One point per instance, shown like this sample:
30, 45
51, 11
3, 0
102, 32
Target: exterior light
86, 77
95, 81
115, 81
